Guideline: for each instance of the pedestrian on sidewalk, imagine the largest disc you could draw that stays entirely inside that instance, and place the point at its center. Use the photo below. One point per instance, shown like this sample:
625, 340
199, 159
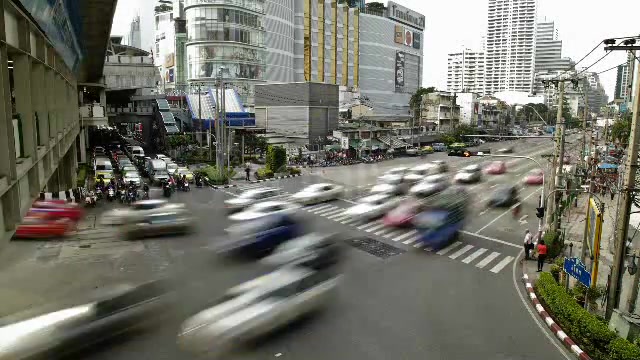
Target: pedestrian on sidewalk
542, 254
528, 244
247, 171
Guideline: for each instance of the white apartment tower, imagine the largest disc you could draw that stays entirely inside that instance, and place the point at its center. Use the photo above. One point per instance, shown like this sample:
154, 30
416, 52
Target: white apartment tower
510, 46
465, 71
134, 37
549, 49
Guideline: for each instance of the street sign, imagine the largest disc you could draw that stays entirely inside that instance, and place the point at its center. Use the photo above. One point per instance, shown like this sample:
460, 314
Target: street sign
575, 268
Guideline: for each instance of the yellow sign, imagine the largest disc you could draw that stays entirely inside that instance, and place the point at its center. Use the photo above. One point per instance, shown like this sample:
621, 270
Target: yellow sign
594, 233
399, 36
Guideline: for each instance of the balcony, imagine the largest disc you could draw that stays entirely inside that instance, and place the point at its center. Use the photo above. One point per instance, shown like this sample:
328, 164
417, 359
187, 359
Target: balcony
93, 115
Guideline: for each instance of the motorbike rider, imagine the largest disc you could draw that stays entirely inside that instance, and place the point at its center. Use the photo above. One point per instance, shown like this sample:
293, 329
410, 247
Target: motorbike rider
184, 180
100, 183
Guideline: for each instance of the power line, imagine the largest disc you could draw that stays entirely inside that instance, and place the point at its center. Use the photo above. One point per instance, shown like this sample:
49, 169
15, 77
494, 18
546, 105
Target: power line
597, 61
579, 61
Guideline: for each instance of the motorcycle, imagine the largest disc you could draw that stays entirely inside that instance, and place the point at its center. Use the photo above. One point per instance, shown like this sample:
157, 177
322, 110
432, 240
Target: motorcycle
166, 190
145, 195
186, 187
90, 199
198, 182
111, 194
132, 196
99, 194
122, 195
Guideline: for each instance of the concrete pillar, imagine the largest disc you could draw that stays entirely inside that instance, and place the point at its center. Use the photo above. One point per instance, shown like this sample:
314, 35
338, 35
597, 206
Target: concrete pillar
80, 97
22, 83
50, 99
38, 102
7, 148
53, 185
103, 98
83, 145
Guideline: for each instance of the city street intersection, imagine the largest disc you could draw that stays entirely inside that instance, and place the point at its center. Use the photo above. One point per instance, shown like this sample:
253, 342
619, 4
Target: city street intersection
398, 300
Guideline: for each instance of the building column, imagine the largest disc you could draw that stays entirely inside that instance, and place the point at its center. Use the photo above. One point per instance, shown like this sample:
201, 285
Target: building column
103, 98
83, 145
22, 81
53, 185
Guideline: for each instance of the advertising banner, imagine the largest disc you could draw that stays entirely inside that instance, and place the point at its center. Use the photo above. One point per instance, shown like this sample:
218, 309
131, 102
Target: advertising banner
399, 35
402, 14
416, 40
399, 70
60, 21
171, 75
408, 38
169, 60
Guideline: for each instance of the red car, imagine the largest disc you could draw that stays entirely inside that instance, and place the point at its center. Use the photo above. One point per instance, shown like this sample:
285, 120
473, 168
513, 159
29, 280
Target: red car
496, 168
403, 214
43, 226
61, 208
534, 177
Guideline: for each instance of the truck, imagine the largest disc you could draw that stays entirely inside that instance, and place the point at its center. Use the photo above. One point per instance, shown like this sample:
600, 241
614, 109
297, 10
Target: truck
441, 220
157, 170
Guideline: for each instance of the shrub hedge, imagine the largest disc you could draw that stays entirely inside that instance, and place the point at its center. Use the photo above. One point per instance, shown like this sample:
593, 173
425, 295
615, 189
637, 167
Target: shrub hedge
263, 173
294, 171
591, 333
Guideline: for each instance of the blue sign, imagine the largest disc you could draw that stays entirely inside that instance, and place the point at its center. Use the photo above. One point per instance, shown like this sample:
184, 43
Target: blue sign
575, 268
60, 21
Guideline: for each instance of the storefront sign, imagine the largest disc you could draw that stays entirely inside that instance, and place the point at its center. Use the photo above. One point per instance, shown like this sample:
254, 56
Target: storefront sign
61, 23
399, 70
345, 142
399, 36
408, 38
171, 75
416, 40
402, 14
169, 60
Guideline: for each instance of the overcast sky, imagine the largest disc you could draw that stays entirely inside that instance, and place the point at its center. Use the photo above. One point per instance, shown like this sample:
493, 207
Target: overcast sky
452, 24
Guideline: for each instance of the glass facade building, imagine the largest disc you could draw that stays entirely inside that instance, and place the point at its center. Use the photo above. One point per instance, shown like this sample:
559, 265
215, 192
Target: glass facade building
226, 34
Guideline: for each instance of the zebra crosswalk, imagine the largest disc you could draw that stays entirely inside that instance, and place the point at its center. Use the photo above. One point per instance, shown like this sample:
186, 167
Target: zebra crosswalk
481, 258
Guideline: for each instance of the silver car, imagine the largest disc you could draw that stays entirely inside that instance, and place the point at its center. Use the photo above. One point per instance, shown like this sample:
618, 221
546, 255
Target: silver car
393, 176
259, 210
373, 206
173, 222
420, 172
430, 185
396, 189
318, 193
248, 198
469, 174
133, 176
256, 308
136, 210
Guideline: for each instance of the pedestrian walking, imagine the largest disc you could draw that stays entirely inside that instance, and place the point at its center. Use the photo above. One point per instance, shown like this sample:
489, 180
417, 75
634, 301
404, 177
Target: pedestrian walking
528, 244
542, 254
247, 171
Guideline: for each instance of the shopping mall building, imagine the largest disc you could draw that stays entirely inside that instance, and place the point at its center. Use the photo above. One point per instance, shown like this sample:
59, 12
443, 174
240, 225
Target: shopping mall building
50, 51
376, 56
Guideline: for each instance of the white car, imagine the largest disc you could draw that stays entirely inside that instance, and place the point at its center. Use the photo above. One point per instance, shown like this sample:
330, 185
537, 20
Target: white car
393, 176
318, 193
259, 210
137, 210
249, 198
373, 206
256, 308
309, 250
430, 185
396, 189
171, 166
132, 176
441, 166
469, 174
420, 172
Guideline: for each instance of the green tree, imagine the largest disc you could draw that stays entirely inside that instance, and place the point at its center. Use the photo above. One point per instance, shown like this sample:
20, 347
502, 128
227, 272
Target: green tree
375, 6
566, 113
621, 130
416, 99
461, 130
528, 112
276, 158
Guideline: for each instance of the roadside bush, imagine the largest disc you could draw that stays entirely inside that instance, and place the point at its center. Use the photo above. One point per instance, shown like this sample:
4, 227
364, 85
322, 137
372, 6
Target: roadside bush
591, 333
555, 244
263, 173
294, 171
276, 158
211, 172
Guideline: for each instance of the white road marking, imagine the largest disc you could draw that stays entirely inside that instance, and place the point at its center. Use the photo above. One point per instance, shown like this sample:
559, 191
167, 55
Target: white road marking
487, 260
490, 239
483, 212
394, 233
405, 235
474, 256
320, 208
501, 264
420, 246
327, 211
493, 186
507, 211
458, 253
372, 223
380, 232
348, 221
349, 201
411, 241
449, 248
338, 217
375, 228
523, 217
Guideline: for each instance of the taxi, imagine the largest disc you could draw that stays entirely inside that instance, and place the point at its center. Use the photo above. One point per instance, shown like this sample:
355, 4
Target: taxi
107, 175
427, 150
186, 172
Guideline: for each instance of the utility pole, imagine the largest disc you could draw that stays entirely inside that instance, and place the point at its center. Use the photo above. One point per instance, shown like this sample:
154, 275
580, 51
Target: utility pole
200, 114
558, 161
617, 271
589, 170
215, 118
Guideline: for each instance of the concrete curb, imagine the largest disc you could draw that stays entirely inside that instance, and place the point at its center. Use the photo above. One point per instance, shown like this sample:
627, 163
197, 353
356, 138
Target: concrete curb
275, 178
551, 324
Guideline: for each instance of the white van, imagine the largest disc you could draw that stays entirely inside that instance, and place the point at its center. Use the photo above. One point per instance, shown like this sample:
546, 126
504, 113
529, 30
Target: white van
102, 164
136, 151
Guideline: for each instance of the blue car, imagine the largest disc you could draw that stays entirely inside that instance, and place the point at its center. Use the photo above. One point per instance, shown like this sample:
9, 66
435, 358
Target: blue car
258, 238
441, 221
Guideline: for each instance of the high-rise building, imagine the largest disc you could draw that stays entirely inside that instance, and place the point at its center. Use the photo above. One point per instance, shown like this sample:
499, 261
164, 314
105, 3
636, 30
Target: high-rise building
624, 82
549, 49
465, 71
510, 46
134, 37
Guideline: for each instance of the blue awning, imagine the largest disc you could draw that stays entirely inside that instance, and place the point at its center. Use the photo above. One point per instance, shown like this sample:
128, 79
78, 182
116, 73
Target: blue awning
607, 166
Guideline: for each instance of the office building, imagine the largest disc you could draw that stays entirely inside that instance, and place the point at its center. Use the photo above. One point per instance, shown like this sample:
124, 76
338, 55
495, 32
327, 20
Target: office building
549, 49
390, 60
133, 37
465, 71
510, 46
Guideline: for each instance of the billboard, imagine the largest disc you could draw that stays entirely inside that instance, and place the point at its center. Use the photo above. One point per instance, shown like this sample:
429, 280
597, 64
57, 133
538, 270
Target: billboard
169, 60
594, 232
416, 40
399, 70
399, 34
408, 38
171, 78
401, 14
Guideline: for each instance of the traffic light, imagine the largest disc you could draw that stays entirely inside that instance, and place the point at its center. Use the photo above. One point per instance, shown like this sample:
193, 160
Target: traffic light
540, 212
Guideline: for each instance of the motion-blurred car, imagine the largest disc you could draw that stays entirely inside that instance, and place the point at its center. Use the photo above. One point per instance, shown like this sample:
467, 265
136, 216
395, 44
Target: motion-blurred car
124, 162
395, 189
372, 206
403, 214
248, 198
441, 166
534, 177
317, 193
496, 168
132, 176
414, 151
137, 210
393, 176
262, 209
43, 225
507, 150
106, 314
419, 172
458, 152
183, 171
171, 166
430, 185
427, 150
256, 308
105, 175
127, 169
503, 196
468, 175
314, 250
176, 221
258, 237
61, 208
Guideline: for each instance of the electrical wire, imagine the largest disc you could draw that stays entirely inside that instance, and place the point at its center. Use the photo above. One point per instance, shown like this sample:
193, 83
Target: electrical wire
579, 61
589, 67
